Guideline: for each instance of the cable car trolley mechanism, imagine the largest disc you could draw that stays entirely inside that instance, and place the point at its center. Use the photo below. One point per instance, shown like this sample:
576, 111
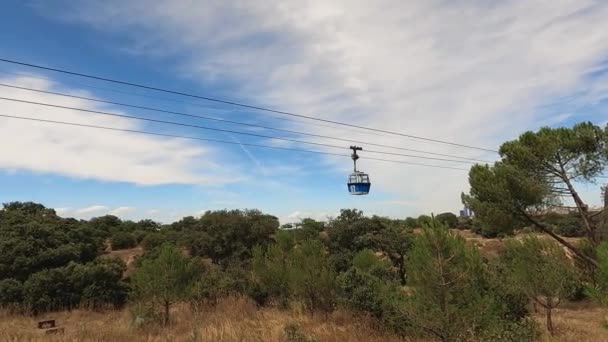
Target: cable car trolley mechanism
358, 182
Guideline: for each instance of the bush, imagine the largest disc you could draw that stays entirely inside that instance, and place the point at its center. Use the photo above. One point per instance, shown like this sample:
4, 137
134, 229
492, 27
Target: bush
95, 285
139, 236
11, 292
541, 269
213, 285
525, 330
449, 219
123, 240
570, 225
152, 241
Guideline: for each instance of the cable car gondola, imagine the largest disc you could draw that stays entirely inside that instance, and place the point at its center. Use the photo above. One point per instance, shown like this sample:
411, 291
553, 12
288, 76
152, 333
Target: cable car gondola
358, 182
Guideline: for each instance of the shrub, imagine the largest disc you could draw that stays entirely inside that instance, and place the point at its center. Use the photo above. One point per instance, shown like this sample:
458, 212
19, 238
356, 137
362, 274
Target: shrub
313, 280
96, 285
123, 240
11, 292
541, 269
152, 241
525, 330
449, 219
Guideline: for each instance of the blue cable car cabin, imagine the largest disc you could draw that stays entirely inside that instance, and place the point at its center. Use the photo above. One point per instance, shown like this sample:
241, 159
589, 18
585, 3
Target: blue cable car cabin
358, 182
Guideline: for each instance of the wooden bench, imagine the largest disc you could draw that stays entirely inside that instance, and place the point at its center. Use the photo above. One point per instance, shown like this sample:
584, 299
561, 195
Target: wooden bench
47, 324
49, 327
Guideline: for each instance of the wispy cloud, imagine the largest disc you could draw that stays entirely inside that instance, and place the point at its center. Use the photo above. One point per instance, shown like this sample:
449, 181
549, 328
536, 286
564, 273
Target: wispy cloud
96, 154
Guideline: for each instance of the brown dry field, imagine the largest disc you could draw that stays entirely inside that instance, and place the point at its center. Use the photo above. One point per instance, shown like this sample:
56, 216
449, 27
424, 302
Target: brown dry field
234, 319
237, 319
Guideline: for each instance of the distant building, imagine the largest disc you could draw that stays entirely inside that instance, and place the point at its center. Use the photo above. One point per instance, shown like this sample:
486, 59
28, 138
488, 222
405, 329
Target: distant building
466, 212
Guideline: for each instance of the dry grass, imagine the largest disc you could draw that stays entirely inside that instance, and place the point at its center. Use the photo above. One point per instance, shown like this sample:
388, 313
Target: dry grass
576, 322
232, 320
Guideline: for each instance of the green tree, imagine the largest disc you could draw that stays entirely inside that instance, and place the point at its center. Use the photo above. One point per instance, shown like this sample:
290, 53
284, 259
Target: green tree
537, 172
273, 269
34, 238
313, 279
450, 288
166, 279
122, 240
309, 229
423, 220
396, 243
224, 235
541, 269
411, 222
96, 284
449, 219
11, 292
366, 288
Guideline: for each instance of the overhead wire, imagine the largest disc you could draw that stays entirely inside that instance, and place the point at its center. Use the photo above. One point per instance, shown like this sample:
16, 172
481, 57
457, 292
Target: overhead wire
191, 103
232, 121
222, 130
239, 104
217, 141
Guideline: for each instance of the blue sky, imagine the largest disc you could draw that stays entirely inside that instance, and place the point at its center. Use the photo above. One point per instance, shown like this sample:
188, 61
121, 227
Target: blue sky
458, 71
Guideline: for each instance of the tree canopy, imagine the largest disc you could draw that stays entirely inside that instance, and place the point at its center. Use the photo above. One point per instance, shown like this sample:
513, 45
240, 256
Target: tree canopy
538, 172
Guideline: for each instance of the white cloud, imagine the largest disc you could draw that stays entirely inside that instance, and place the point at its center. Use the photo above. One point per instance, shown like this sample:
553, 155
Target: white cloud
96, 154
470, 72
122, 211
94, 209
63, 211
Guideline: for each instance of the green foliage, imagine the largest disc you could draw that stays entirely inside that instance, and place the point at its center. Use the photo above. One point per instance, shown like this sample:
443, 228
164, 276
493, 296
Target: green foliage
11, 292
94, 285
448, 219
450, 287
152, 241
309, 229
314, 281
34, 238
541, 269
299, 272
123, 240
536, 171
525, 330
599, 291
213, 284
424, 220
369, 287
273, 270
411, 222
165, 279
570, 225
224, 235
